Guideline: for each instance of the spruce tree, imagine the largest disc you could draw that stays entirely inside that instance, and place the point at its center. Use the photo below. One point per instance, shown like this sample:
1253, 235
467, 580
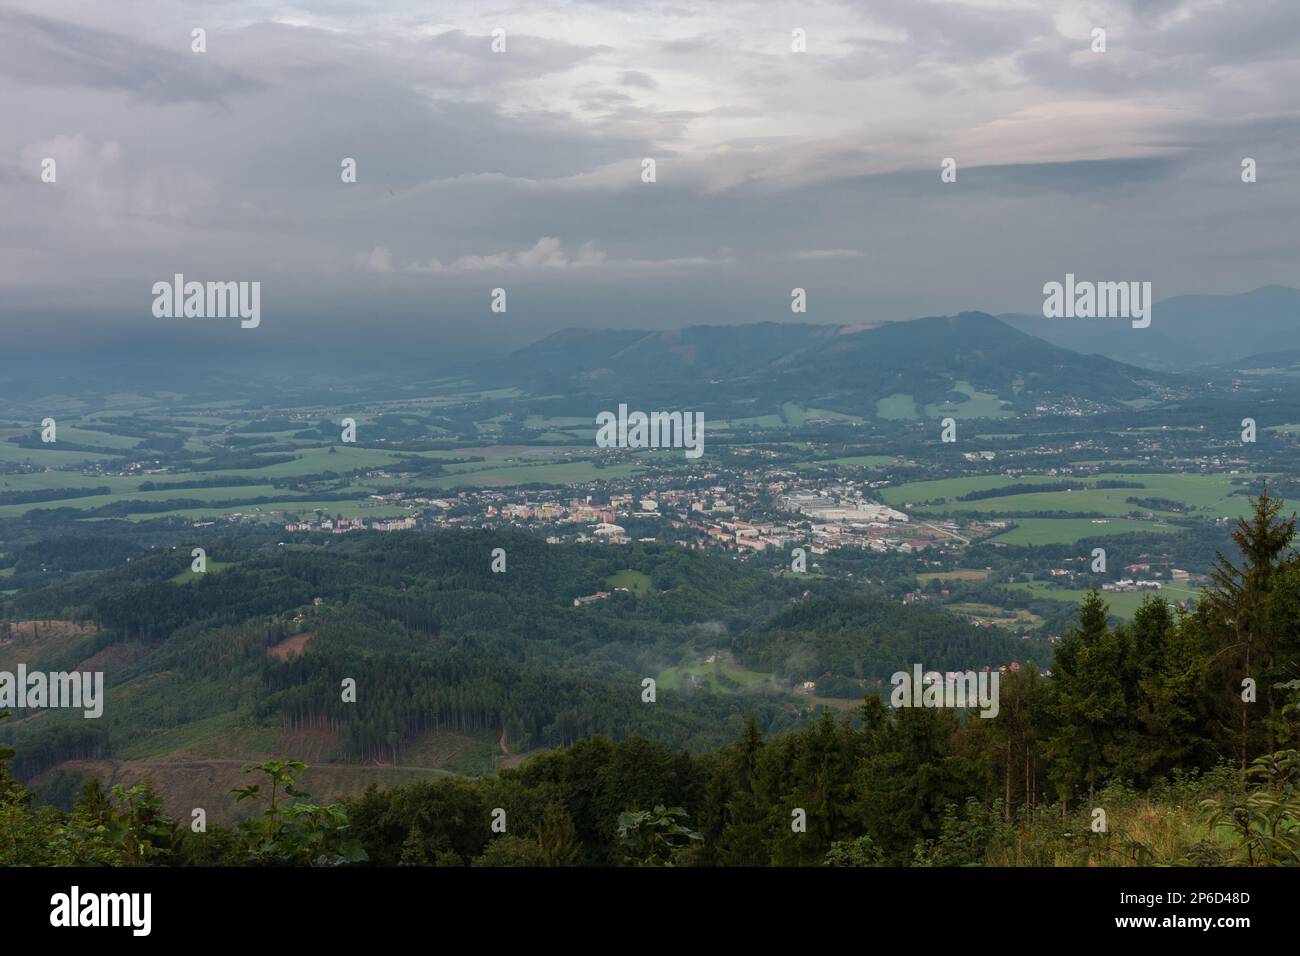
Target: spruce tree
1093, 722
1245, 620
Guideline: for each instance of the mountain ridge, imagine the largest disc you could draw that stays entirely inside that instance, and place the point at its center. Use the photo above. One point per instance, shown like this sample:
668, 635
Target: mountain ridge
844, 366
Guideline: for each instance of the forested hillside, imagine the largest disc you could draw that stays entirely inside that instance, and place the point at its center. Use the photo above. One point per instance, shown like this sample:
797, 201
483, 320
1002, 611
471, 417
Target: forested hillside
1178, 732
436, 641
722, 368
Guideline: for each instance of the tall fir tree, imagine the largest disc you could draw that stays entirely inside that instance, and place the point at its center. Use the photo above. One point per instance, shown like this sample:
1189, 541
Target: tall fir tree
1250, 638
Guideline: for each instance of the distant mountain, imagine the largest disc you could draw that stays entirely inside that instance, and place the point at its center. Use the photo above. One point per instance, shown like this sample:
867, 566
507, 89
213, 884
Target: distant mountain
925, 357
1186, 331
846, 368
1286, 360
698, 353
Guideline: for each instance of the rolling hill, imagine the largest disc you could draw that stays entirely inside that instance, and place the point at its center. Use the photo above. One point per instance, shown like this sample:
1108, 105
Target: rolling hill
448, 658
848, 368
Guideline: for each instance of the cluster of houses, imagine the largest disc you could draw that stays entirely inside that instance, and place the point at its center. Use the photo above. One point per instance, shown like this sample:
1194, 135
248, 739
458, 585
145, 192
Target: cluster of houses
344, 525
810, 686
1128, 584
784, 511
598, 596
714, 513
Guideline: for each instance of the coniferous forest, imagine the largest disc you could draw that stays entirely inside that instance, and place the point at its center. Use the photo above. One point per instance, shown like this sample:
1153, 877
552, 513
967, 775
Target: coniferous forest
1170, 739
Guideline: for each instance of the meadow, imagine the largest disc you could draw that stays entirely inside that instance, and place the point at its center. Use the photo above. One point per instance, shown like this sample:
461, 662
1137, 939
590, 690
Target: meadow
1036, 531
1123, 604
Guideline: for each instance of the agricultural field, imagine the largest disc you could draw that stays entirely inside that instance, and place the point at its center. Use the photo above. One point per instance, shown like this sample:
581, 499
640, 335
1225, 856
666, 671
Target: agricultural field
189, 574
851, 461
1123, 604
990, 615
1035, 531
799, 415
897, 407
978, 405
718, 676
638, 582
135, 451
956, 575
296, 507
569, 472
1208, 495
914, 492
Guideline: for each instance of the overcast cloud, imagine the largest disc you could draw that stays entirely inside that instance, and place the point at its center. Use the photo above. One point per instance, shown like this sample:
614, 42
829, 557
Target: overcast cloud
522, 169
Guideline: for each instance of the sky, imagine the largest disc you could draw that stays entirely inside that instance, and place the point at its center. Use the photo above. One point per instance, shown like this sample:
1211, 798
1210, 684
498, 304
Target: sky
522, 169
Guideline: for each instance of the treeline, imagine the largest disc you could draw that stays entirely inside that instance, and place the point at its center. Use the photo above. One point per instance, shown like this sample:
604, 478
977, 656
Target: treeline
237, 461
1029, 488
74, 553
870, 636
398, 700
1158, 504
121, 508
225, 481
1160, 706
54, 742
50, 494
432, 637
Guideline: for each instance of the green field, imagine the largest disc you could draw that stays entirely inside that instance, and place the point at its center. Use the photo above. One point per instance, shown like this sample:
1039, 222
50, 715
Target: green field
897, 407
41, 480
791, 415
956, 575
568, 472
304, 507
676, 678
188, 575
227, 493
310, 461
852, 461
48, 456
979, 405
1123, 604
950, 488
758, 421
799, 414
1000, 617
543, 421
1209, 495
1030, 531
638, 582
566, 457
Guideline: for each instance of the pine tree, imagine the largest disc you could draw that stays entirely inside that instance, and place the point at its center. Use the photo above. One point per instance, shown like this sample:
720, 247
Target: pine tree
1241, 615
1011, 745
744, 839
908, 774
94, 808
557, 837
1092, 675
1172, 712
